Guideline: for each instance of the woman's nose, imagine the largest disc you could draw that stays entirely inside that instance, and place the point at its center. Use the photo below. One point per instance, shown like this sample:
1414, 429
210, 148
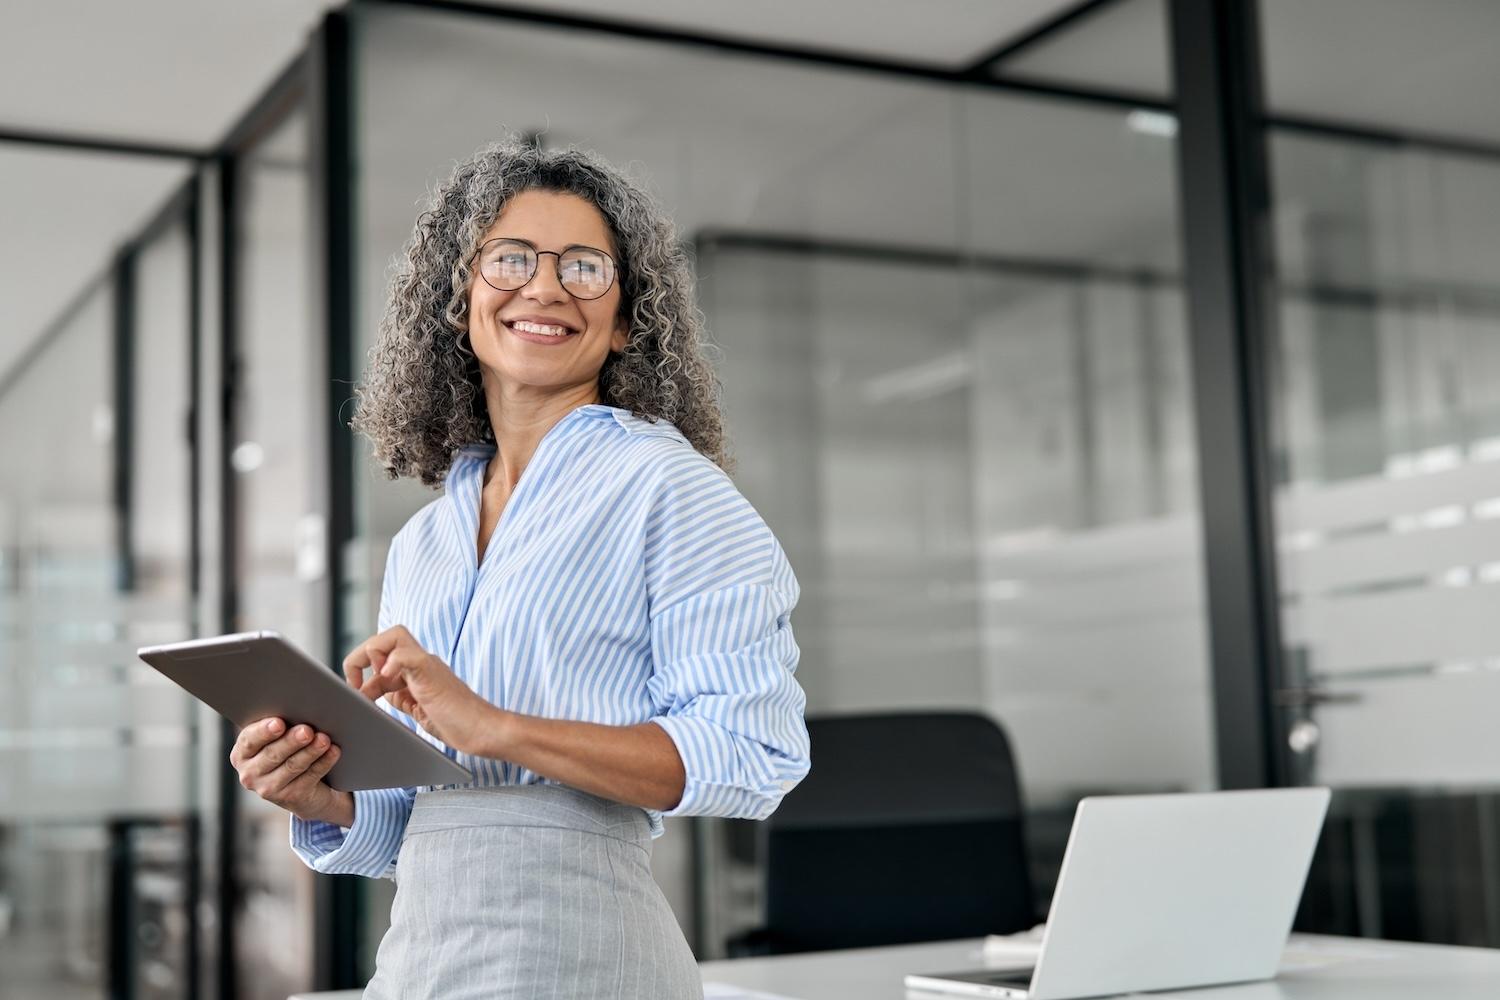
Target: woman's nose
544, 286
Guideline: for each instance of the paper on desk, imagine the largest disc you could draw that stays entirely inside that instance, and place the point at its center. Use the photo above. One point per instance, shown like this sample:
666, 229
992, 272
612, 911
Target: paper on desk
1022, 949
724, 991
1304, 954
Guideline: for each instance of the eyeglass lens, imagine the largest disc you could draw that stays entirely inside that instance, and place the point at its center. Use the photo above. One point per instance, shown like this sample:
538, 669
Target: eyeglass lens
510, 264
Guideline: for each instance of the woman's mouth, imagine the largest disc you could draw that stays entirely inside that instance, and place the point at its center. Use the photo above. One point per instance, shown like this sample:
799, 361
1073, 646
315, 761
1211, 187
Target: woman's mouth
539, 333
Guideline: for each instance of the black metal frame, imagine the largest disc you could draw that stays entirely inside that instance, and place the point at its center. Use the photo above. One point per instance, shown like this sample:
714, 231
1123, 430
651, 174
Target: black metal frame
97, 144
1039, 268
330, 88
1224, 186
119, 962
122, 442
121, 967
195, 543
227, 807
1390, 138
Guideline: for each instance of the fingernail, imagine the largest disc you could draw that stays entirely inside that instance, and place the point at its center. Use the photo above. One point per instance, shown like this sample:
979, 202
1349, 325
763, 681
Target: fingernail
276, 726
322, 741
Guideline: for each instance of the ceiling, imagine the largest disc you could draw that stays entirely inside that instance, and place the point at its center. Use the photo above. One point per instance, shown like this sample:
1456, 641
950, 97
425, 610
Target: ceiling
180, 72
174, 72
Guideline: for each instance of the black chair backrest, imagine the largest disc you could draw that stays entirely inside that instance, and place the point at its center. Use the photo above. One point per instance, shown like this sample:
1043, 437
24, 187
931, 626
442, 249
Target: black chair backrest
908, 828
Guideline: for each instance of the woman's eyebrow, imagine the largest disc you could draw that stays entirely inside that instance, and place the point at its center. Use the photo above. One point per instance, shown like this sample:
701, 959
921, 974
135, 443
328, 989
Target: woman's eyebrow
570, 246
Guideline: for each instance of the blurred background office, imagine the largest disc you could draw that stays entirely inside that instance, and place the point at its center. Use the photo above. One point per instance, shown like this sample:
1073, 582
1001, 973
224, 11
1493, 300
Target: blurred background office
1128, 382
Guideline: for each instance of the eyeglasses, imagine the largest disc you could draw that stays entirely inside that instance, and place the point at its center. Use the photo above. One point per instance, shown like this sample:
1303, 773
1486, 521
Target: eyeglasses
507, 264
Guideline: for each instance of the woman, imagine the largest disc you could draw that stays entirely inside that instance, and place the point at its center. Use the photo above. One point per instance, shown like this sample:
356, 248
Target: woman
592, 619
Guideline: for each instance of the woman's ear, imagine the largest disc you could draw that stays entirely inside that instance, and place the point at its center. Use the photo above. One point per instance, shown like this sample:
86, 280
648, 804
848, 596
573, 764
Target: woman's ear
621, 335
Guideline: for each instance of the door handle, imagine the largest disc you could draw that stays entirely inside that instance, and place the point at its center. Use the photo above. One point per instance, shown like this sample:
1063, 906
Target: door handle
1310, 697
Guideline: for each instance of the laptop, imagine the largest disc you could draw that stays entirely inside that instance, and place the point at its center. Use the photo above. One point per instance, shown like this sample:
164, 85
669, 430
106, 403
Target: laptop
1161, 892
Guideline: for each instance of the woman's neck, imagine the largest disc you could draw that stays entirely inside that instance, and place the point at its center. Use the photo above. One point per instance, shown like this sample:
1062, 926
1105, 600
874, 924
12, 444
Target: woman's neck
519, 426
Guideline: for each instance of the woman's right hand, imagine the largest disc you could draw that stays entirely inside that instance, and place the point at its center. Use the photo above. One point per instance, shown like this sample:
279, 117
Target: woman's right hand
287, 769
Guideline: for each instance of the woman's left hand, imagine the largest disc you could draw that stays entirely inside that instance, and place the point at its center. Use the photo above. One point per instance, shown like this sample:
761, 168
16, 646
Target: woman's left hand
421, 685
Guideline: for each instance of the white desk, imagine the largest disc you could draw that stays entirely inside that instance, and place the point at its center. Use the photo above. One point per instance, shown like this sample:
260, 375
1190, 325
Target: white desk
1320, 968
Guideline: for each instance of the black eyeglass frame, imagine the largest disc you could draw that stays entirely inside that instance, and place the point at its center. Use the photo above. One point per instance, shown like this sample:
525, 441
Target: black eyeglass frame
614, 265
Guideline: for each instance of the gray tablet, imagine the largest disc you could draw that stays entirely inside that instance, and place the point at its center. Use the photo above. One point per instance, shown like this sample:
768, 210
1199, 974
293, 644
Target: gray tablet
251, 675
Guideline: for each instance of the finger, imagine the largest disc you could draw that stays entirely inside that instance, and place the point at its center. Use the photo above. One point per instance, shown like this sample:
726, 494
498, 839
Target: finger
394, 665
408, 704
300, 761
377, 686
255, 736
274, 754
389, 676
314, 773
367, 653
325, 763
355, 664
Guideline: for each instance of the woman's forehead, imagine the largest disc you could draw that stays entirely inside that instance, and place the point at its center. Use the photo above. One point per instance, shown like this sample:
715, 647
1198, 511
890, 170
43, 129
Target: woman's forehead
552, 219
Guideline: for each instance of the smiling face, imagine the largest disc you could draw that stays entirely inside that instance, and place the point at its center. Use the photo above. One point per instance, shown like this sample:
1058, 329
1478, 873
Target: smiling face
515, 334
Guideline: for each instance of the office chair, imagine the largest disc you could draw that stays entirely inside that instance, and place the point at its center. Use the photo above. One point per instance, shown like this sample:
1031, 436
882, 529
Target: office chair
908, 828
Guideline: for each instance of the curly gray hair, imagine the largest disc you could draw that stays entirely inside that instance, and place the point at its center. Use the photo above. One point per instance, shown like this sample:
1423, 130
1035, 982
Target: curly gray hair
421, 398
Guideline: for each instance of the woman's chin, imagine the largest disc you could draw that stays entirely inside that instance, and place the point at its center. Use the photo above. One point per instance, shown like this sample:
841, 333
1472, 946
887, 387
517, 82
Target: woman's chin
535, 380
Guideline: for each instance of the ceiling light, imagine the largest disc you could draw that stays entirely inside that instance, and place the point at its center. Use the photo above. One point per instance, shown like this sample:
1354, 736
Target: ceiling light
247, 456
1157, 123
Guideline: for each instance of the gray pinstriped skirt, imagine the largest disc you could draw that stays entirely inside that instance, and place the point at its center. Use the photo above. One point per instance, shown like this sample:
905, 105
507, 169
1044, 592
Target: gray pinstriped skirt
530, 892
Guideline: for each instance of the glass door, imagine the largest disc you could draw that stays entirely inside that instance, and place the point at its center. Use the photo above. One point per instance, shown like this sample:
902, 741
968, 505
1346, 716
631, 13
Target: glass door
1386, 431
100, 802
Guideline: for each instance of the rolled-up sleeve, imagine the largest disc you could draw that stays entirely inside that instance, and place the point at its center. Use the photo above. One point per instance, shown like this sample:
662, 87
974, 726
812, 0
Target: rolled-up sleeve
721, 594
370, 846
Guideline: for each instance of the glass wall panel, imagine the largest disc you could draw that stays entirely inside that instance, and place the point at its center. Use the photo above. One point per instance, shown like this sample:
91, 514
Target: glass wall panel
1386, 380
1083, 452
279, 463
162, 846
59, 604
161, 494
99, 808
955, 380
1428, 67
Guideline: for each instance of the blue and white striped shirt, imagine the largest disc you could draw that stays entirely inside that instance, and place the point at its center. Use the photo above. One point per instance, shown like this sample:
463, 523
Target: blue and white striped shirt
627, 580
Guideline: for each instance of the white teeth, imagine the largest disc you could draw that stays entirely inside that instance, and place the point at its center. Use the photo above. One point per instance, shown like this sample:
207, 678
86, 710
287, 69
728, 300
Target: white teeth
544, 330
